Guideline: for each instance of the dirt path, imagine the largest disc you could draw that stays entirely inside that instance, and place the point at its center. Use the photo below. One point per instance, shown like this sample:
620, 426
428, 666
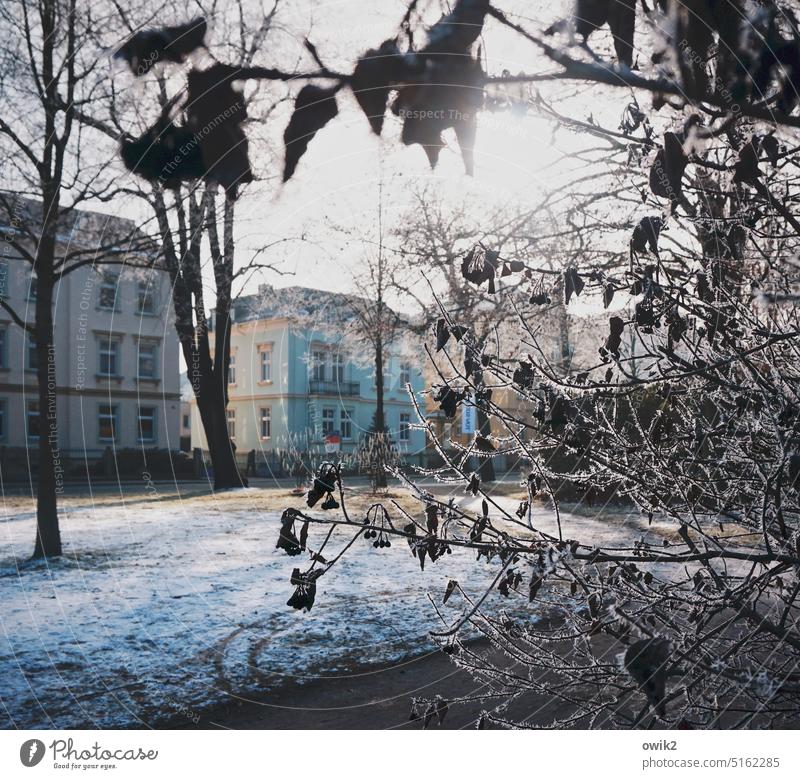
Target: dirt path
376, 699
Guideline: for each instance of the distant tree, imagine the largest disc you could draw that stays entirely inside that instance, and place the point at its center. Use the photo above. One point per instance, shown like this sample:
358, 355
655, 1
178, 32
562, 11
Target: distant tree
52, 65
190, 213
374, 324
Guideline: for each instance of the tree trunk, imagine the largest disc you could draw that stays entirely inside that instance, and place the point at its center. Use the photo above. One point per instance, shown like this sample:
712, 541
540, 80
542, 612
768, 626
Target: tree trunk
380, 415
48, 535
208, 377
223, 456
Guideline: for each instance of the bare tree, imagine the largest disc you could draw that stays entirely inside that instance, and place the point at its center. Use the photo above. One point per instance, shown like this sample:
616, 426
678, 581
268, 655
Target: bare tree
51, 69
190, 214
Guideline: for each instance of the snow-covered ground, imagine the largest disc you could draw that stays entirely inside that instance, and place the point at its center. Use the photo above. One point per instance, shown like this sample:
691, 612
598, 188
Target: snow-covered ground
163, 606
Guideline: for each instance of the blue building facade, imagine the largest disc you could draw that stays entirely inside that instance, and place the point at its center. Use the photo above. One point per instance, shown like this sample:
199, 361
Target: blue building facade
300, 378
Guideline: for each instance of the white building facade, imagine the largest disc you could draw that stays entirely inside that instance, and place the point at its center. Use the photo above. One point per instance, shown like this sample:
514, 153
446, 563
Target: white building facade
116, 353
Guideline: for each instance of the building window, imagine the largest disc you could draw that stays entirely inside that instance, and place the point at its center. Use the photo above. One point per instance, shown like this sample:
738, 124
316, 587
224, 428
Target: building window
148, 359
108, 352
185, 421
232, 370
145, 298
346, 423
318, 365
33, 288
405, 427
32, 420
328, 421
3, 279
266, 423
266, 364
107, 298
2, 419
3, 347
147, 424
31, 354
338, 366
405, 373
107, 423
231, 412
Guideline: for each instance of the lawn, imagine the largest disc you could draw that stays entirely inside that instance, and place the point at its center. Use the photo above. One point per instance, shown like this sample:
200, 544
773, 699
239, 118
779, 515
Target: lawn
166, 604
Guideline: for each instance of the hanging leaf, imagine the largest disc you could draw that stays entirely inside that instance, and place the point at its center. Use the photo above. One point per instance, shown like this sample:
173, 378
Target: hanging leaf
432, 517
146, 48
573, 283
165, 153
614, 341
621, 21
287, 540
451, 587
314, 107
646, 661
442, 334
448, 93
215, 112
771, 147
608, 295
524, 375
590, 15
455, 32
480, 265
667, 170
448, 400
645, 235
373, 78
483, 444
304, 534
746, 169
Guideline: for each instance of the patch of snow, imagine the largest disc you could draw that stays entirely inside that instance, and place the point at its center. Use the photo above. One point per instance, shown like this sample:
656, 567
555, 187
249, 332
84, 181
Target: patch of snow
162, 606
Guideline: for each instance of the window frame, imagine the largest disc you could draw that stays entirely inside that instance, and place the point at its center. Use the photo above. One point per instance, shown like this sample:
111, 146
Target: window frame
319, 366
146, 289
404, 429
265, 360
114, 416
232, 368
31, 350
3, 346
28, 413
230, 420
4, 278
328, 420
346, 423
115, 342
265, 415
154, 345
338, 367
405, 368
108, 280
139, 438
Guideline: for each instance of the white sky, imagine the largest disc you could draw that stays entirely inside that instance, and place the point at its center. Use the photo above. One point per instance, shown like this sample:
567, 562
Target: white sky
337, 180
